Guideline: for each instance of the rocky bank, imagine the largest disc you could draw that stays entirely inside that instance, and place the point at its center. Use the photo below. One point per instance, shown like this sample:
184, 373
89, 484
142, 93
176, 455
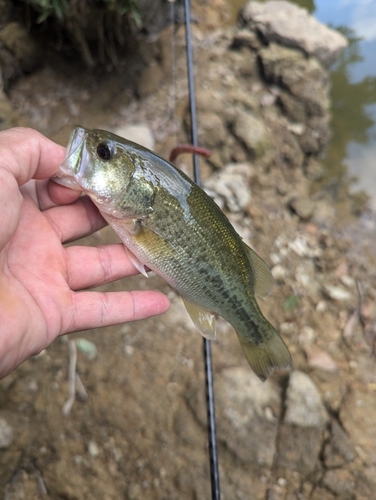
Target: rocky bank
138, 431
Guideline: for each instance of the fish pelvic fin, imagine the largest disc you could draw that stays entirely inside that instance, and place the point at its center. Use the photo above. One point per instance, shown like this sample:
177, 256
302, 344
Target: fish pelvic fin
268, 356
203, 320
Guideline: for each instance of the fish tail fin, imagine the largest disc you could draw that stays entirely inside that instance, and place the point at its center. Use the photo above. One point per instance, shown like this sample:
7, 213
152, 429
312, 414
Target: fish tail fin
267, 356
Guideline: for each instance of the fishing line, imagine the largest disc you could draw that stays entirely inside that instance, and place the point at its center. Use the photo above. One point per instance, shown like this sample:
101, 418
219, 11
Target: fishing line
173, 70
213, 453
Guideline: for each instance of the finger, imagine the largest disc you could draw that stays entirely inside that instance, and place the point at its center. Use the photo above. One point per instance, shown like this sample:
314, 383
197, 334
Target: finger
28, 154
48, 198
61, 195
75, 221
93, 266
98, 309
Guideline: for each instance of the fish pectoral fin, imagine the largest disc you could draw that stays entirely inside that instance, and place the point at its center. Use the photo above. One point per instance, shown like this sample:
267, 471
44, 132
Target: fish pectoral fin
263, 280
135, 262
268, 356
203, 319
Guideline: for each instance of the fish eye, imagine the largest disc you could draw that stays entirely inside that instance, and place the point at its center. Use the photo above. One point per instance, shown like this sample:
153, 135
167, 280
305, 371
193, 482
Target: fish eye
104, 151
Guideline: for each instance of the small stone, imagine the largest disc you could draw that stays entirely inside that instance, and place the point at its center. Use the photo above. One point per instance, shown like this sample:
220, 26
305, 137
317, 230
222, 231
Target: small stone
304, 246
317, 358
296, 128
307, 336
279, 272
337, 293
93, 449
322, 306
6, 434
232, 186
136, 132
129, 350
314, 170
87, 347
303, 207
347, 281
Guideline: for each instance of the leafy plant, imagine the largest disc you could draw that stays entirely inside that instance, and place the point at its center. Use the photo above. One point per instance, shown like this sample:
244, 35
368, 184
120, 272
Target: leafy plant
80, 19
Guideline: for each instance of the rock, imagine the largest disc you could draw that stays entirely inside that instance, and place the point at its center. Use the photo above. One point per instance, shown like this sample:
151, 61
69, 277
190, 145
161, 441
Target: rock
293, 26
246, 38
298, 449
150, 80
304, 406
15, 38
316, 134
293, 108
137, 132
302, 430
205, 103
251, 131
303, 207
304, 78
211, 130
232, 186
6, 434
314, 170
341, 482
247, 415
339, 450
242, 62
357, 417
5, 108
305, 246
289, 151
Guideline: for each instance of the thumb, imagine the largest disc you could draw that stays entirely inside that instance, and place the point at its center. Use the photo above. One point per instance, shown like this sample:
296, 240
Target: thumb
27, 154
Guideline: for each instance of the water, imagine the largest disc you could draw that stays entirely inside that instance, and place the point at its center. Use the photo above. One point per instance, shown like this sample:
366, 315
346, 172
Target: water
352, 149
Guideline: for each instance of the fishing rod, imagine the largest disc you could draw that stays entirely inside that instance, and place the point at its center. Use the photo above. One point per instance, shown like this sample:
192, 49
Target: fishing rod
213, 452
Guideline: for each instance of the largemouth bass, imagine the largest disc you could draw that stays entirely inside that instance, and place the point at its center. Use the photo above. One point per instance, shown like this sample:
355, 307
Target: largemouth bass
171, 226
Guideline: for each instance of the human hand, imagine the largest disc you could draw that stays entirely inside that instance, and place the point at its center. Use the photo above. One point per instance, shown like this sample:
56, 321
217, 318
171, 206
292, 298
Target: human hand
40, 279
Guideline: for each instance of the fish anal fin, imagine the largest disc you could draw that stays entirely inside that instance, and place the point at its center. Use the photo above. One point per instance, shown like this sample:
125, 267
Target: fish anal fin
262, 277
203, 319
268, 356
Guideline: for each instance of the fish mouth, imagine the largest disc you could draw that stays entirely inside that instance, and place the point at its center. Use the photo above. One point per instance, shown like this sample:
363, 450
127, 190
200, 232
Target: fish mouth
69, 171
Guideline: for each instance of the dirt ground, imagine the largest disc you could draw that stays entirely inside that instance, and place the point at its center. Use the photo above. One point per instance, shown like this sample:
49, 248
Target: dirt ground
137, 429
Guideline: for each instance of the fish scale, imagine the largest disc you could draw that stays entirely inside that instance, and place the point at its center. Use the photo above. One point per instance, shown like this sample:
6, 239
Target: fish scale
173, 227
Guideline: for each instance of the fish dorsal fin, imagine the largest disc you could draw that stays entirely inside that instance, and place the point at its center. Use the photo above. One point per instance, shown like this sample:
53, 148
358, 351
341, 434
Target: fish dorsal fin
203, 319
262, 277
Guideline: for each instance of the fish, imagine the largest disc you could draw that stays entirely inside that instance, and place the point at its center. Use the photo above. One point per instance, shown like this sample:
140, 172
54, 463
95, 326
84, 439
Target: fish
170, 226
